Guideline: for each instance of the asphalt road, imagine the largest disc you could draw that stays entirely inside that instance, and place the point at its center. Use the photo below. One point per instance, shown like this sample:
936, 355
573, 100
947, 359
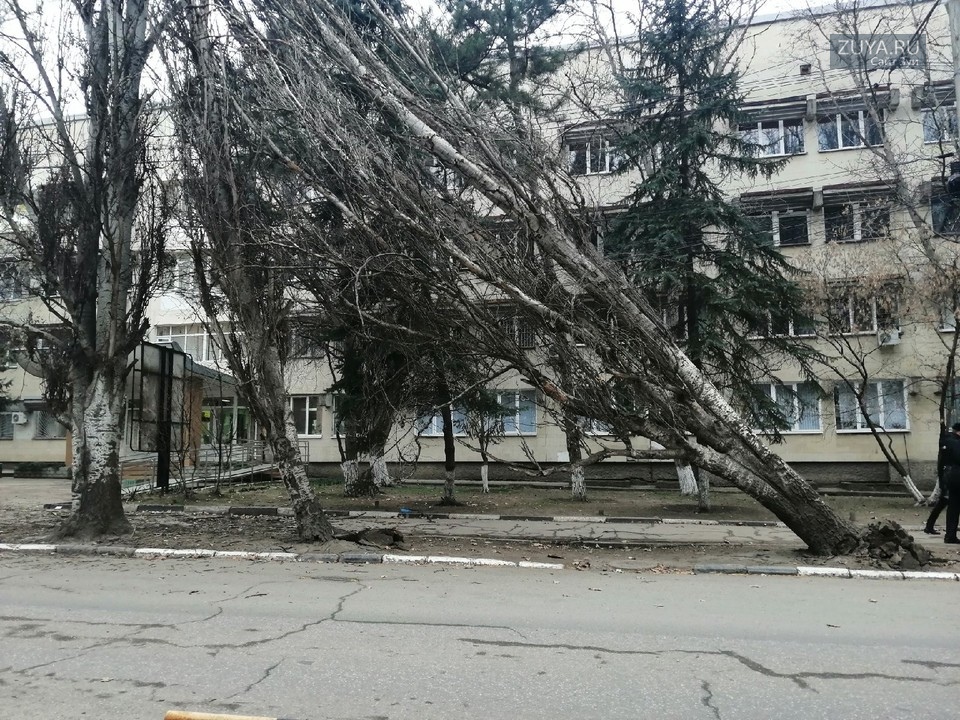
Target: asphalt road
129, 639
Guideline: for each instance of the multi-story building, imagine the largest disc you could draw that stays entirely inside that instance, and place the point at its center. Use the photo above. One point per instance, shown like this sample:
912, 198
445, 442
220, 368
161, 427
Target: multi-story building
859, 205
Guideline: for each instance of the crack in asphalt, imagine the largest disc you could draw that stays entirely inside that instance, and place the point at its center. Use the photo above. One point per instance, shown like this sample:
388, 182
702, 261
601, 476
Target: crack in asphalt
931, 664
799, 678
252, 685
707, 699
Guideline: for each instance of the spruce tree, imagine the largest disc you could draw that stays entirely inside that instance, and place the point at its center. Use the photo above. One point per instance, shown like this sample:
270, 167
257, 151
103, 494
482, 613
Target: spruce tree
715, 271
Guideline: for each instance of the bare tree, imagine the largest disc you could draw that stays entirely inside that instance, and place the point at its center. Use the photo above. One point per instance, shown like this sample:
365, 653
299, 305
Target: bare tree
86, 207
241, 287
672, 402
914, 288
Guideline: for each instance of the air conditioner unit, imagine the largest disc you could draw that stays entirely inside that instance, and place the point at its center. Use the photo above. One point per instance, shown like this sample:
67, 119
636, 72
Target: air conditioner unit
889, 336
18, 418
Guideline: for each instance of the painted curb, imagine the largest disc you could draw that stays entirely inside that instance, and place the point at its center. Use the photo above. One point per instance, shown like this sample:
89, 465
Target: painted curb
389, 515
838, 572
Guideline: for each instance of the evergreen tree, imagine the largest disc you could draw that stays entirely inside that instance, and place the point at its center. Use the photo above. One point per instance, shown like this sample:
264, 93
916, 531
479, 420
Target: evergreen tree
715, 272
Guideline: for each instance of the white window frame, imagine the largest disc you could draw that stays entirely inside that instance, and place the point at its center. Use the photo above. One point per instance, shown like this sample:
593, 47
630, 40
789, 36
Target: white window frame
432, 426
208, 348
775, 216
512, 398
593, 427
879, 421
852, 299
794, 397
939, 124
47, 427
598, 141
837, 123
858, 211
791, 330
312, 405
754, 133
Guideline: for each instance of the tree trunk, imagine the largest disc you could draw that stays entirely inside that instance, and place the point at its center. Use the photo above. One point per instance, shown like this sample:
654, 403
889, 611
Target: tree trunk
97, 437
912, 489
351, 477
449, 482
485, 477
703, 492
378, 470
312, 524
578, 486
688, 481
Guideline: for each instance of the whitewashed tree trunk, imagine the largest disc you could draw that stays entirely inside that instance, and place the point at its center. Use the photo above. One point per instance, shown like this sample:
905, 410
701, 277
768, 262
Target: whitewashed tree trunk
578, 485
351, 476
97, 507
912, 489
485, 478
688, 482
379, 471
449, 485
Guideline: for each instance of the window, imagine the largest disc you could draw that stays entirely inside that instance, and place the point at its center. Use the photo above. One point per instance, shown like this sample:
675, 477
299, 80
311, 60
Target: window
592, 426
799, 403
884, 400
591, 154
516, 327
855, 222
849, 312
939, 124
192, 339
774, 137
432, 425
520, 412
306, 414
6, 426
948, 315
945, 212
852, 129
11, 284
785, 229
48, 427
783, 323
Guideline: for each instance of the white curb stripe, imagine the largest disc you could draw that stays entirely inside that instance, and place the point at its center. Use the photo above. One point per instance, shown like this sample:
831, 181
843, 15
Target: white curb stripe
877, 574
29, 547
540, 565
579, 518
918, 575
824, 571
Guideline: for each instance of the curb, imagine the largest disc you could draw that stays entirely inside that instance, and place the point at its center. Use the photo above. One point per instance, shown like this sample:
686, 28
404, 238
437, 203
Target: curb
837, 572
355, 558
383, 514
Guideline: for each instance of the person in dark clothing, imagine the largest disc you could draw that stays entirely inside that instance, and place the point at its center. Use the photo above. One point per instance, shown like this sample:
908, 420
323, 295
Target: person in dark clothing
951, 475
941, 503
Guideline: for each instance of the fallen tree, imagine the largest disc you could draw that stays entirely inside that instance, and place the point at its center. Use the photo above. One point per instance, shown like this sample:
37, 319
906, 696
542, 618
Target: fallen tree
628, 369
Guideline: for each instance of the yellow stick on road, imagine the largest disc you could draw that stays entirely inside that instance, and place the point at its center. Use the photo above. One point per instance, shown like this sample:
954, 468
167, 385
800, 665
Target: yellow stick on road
186, 715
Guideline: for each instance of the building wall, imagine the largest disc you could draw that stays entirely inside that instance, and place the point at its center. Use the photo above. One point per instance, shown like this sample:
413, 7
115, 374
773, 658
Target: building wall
783, 59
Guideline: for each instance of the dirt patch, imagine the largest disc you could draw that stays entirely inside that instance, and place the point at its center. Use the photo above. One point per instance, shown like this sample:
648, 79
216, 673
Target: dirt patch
26, 521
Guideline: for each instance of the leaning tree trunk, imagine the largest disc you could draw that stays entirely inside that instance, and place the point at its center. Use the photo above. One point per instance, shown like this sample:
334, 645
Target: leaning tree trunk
97, 436
682, 399
312, 523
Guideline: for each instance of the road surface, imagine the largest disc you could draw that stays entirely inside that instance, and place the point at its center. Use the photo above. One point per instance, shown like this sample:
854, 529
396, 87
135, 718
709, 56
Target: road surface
124, 639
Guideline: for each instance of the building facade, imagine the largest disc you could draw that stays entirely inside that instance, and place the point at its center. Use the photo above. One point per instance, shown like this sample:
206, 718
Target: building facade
860, 207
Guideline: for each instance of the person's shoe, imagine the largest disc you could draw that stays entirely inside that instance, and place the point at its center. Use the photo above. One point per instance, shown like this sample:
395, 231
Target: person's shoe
931, 531
952, 541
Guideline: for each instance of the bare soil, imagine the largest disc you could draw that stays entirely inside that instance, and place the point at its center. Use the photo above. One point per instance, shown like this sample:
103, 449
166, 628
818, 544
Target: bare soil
23, 519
